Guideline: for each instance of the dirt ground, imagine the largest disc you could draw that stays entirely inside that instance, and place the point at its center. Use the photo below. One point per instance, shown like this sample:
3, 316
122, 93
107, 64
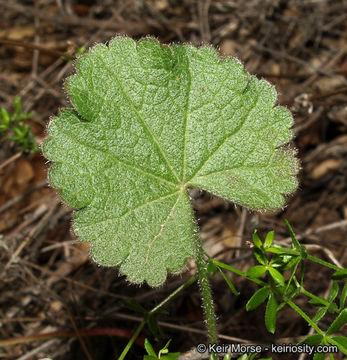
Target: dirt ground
47, 282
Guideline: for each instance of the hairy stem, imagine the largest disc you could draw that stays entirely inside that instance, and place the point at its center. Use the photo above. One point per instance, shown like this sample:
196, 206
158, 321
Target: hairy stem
206, 294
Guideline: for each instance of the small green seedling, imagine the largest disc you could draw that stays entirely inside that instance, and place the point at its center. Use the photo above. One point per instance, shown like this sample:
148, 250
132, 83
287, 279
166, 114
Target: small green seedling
150, 121
13, 127
163, 354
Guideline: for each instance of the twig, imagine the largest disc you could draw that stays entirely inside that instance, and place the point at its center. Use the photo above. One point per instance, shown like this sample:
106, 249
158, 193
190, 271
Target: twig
40, 210
75, 282
57, 334
10, 160
36, 47
36, 52
79, 335
331, 226
328, 93
20, 197
203, 7
240, 230
181, 328
331, 63
327, 252
38, 349
291, 58
312, 119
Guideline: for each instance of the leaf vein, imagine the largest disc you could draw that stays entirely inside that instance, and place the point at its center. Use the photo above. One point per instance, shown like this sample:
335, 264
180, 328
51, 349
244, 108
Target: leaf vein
75, 139
140, 117
131, 210
238, 128
161, 228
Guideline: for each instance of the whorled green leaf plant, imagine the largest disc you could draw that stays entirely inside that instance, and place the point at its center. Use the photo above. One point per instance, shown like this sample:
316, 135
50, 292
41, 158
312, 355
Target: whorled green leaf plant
149, 121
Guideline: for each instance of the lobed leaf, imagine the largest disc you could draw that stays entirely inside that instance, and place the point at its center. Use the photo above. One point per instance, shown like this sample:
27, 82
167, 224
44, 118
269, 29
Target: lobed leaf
148, 122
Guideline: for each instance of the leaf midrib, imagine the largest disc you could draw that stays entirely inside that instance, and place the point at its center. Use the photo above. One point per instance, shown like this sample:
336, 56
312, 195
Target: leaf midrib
133, 209
186, 115
238, 128
75, 139
140, 117
162, 226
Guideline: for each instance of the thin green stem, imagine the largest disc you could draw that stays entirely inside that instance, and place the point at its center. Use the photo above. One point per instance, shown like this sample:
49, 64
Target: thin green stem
303, 315
132, 340
206, 294
314, 297
239, 272
324, 263
189, 282
291, 276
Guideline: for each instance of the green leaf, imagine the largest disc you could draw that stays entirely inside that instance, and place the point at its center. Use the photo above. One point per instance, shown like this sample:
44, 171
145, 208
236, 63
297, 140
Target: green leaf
153, 326
281, 250
211, 267
258, 298
333, 292
271, 313
318, 356
342, 343
338, 322
148, 122
256, 240
313, 340
319, 314
277, 276
149, 348
134, 305
260, 256
269, 239
319, 302
256, 271
292, 235
5, 120
228, 281
340, 275
289, 262
167, 355
170, 356
165, 350
333, 308
343, 296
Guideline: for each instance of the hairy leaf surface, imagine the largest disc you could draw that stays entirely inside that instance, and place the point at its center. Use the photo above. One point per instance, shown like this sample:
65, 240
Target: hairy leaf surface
148, 122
